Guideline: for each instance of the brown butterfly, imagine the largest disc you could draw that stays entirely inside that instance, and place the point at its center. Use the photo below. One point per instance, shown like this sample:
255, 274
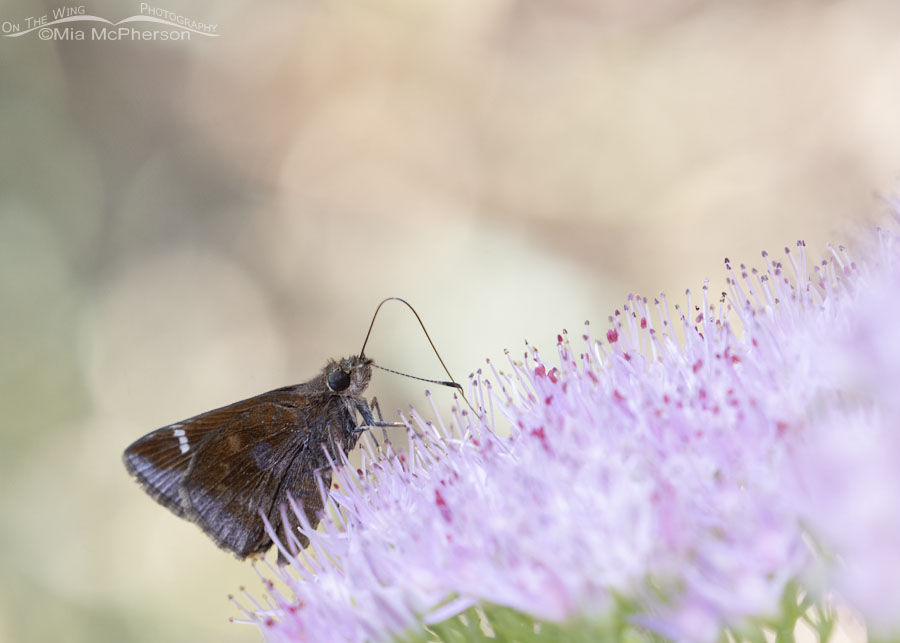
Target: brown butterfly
224, 468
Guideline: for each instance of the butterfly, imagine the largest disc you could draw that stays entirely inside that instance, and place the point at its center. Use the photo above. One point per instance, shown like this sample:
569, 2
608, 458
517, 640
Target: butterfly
221, 469
225, 468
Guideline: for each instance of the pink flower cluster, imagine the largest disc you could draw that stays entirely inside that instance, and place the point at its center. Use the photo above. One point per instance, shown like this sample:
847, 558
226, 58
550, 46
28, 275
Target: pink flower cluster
685, 461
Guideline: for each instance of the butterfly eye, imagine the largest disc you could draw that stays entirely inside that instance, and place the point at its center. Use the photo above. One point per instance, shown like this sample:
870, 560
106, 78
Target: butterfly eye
339, 381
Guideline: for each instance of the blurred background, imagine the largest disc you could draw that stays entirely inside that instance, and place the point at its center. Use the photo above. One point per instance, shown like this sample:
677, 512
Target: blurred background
185, 224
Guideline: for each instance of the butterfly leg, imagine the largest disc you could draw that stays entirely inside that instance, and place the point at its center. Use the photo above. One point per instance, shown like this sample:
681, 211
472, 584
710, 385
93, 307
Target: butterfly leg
369, 419
374, 406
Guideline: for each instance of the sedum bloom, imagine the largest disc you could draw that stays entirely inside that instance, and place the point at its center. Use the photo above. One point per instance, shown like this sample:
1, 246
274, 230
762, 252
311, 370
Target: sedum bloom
680, 474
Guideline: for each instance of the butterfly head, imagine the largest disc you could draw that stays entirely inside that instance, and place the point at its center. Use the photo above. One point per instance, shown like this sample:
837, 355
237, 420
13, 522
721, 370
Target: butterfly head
349, 376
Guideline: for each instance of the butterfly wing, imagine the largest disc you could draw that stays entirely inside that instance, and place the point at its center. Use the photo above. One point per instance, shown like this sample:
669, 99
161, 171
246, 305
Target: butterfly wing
219, 469
251, 468
160, 459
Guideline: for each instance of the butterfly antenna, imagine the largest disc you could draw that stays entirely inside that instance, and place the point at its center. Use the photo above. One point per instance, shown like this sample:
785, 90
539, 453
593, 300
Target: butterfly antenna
421, 379
452, 383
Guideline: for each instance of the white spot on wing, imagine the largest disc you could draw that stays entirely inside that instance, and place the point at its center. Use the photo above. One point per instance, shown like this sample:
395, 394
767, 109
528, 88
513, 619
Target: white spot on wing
182, 439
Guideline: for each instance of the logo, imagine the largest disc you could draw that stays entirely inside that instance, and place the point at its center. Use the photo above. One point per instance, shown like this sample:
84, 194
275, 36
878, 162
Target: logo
74, 23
